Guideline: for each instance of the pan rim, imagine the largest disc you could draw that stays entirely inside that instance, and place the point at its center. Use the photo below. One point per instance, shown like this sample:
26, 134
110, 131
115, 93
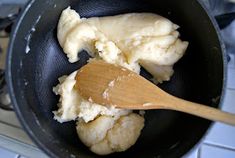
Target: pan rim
21, 118
10, 86
225, 69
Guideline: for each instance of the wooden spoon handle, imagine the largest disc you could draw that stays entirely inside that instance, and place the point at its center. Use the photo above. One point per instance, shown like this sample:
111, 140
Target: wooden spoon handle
201, 111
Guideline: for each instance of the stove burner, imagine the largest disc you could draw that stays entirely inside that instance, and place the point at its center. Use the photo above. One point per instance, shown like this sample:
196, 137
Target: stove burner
8, 14
5, 102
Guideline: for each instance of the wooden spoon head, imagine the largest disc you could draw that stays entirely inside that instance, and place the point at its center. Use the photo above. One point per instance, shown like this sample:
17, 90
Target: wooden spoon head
109, 84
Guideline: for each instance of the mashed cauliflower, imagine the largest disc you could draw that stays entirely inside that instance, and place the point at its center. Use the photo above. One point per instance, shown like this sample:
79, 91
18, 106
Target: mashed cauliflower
129, 40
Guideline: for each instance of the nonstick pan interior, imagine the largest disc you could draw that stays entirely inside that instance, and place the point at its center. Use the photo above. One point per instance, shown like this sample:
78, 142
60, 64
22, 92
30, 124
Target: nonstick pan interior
32, 74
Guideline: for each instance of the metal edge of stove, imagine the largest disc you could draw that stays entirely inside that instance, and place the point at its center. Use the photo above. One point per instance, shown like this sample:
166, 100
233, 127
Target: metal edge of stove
21, 144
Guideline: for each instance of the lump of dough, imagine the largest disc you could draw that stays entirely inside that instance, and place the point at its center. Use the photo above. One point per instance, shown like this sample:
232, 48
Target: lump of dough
68, 20
95, 131
161, 73
69, 99
125, 132
72, 105
106, 135
125, 40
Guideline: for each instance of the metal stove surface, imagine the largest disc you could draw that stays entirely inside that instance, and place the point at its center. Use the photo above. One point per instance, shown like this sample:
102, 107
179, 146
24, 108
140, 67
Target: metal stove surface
219, 142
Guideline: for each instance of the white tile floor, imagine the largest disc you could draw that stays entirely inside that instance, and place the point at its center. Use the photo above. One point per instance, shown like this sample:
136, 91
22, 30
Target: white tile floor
7, 154
207, 151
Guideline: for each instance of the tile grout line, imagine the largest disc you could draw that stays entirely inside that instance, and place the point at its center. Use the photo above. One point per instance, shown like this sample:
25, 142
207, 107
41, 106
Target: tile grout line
219, 146
9, 124
17, 156
199, 152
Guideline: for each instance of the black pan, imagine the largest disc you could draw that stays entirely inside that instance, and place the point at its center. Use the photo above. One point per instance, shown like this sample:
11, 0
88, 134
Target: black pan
199, 76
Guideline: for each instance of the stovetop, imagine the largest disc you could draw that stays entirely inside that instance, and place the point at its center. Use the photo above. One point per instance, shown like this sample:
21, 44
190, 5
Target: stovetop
219, 142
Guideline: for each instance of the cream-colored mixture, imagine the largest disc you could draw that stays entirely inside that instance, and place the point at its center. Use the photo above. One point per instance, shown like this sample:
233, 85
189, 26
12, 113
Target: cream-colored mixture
73, 106
130, 40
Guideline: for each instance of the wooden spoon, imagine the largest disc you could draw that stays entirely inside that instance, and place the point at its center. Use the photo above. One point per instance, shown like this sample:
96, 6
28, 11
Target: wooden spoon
108, 84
